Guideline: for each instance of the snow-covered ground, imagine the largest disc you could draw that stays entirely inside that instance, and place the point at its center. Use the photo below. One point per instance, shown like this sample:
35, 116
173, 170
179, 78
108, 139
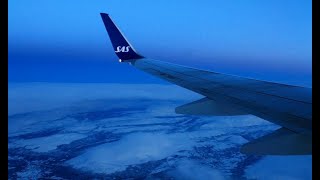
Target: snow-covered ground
132, 149
46, 143
87, 131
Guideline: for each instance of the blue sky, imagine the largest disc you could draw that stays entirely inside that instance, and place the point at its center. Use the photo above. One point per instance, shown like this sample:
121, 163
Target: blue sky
65, 41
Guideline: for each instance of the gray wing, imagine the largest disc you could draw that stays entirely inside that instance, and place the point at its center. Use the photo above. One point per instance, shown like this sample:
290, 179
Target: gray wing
285, 105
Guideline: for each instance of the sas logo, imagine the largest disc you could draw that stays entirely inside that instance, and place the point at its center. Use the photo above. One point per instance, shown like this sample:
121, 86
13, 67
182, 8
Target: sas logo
122, 49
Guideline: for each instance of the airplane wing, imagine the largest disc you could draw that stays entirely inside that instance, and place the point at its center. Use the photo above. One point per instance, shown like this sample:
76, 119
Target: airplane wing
285, 105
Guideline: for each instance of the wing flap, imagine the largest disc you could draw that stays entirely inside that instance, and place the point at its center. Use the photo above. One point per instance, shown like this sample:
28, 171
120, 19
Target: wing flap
280, 142
206, 106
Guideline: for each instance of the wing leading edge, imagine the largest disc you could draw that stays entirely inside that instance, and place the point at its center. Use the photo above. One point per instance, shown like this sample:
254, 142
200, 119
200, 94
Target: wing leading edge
286, 105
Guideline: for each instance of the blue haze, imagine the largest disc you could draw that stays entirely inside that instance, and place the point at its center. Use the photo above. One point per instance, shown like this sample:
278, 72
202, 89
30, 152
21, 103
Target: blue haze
65, 41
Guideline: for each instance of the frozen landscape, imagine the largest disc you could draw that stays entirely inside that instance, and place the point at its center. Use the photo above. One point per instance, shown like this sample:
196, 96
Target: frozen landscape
130, 131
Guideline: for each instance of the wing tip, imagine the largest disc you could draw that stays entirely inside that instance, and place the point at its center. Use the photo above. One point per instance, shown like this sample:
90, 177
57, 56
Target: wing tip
121, 45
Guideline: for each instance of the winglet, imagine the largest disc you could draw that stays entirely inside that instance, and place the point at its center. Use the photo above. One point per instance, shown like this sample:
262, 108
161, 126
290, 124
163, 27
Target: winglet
121, 45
